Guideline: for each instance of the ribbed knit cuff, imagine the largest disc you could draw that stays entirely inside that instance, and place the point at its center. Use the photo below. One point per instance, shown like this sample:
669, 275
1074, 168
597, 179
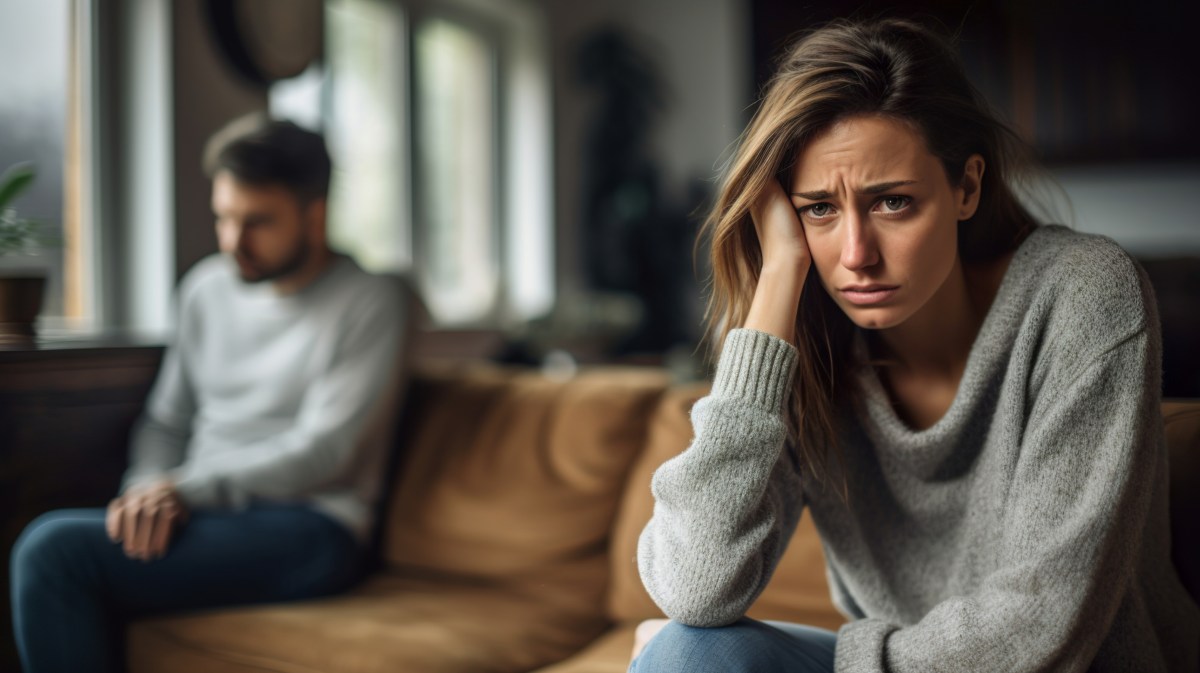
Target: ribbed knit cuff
756, 367
860, 646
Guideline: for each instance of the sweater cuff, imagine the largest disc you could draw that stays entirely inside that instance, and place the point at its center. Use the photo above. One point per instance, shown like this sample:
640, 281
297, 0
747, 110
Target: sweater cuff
756, 367
200, 490
861, 646
134, 480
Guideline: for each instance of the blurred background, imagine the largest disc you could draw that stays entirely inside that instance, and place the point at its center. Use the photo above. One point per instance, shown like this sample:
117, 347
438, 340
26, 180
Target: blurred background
539, 168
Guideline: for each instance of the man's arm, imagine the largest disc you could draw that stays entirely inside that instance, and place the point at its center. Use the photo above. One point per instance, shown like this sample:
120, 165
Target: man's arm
160, 437
147, 510
322, 446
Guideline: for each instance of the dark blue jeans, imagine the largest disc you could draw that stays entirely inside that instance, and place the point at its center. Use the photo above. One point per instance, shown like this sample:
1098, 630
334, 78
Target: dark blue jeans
74, 590
746, 646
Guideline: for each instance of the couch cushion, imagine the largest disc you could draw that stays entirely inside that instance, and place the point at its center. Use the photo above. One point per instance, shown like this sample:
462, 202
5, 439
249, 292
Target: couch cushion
1182, 419
389, 624
798, 591
608, 654
507, 473
669, 433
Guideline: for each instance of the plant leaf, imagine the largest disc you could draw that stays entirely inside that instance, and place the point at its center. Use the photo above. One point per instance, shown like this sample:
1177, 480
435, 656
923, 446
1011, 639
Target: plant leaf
14, 181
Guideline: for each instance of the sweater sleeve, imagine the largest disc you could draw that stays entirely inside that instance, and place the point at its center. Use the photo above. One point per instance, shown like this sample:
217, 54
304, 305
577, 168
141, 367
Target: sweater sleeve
160, 437
1080, 494
726, 507
336, 415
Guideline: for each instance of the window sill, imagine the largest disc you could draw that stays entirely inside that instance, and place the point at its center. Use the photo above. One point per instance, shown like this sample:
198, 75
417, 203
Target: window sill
61, 343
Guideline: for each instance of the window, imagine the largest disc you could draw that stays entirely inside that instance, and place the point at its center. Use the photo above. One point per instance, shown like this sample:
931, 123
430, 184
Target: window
456, 132
367, 130
45, 114
438, 119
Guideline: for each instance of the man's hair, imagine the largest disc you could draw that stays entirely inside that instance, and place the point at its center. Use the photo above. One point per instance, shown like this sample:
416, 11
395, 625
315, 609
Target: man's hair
258, 150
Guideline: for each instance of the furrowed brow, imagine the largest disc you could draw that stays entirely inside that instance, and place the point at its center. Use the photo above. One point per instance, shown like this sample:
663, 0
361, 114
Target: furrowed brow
869, 189
813, 196
885, 186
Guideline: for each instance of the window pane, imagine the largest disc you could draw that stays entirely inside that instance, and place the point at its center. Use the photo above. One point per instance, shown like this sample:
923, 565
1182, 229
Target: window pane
33, 113
455, 171
366, 130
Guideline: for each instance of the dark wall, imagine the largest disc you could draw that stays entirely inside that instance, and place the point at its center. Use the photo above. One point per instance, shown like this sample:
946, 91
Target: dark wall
1084, 81
207, 92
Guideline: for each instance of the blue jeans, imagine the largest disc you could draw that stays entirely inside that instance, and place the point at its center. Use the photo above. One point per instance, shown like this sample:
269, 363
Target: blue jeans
746, 646
73, 589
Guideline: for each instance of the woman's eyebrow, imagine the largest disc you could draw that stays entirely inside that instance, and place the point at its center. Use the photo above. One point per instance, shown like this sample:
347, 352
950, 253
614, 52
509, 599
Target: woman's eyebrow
869, 189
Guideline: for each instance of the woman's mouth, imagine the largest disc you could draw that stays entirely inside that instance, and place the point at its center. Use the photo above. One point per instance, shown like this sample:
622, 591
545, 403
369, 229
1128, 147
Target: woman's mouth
866, 295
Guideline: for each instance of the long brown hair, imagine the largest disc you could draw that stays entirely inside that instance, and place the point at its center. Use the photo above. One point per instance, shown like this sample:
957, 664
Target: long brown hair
890, 67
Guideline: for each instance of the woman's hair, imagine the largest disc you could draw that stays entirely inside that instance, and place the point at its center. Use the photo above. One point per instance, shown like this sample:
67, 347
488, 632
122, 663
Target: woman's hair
893, 68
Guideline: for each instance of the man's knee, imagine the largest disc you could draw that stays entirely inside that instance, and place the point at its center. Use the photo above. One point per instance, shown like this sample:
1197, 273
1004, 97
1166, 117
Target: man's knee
49, 546
736, 648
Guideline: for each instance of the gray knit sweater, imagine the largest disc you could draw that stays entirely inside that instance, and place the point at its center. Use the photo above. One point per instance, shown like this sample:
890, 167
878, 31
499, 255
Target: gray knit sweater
1025, 531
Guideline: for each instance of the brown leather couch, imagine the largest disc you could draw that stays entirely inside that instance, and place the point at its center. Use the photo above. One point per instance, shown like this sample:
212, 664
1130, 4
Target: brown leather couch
509, 538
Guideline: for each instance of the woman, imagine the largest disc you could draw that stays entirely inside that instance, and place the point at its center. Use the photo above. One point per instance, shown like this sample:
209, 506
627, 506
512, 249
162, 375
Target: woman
966, 402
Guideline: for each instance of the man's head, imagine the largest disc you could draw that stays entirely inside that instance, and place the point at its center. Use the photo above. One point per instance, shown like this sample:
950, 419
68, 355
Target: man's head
270, 182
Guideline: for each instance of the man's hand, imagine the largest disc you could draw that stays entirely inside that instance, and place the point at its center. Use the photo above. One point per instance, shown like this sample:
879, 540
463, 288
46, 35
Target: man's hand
143, 519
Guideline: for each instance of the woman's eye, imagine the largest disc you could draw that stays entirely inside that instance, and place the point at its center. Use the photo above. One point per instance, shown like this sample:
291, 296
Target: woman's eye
817, 210
895, 204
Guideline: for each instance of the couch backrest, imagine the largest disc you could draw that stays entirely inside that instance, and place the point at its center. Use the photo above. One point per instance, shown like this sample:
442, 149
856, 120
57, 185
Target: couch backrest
504, 474
798, 591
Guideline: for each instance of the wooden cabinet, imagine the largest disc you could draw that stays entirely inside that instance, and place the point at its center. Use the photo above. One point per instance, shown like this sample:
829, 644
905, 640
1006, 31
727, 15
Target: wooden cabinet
65, 415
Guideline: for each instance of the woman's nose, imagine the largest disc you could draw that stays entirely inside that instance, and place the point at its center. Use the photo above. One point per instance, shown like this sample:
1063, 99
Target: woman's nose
858, 245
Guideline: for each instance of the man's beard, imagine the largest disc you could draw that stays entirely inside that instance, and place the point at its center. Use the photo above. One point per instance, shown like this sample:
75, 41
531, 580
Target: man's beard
290, 265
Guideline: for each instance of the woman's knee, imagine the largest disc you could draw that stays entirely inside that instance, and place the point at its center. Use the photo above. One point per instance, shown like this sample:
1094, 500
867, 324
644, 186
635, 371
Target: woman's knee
741, 647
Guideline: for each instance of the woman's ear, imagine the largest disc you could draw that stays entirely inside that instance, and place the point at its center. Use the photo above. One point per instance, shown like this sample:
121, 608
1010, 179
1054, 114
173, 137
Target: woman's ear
968, 189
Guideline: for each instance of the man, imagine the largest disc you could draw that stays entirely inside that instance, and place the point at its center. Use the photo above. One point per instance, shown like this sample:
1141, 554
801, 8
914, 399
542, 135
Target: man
256, 466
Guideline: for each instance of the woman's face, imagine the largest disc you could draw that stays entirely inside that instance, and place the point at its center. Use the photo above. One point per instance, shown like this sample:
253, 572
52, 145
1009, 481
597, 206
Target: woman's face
880, 217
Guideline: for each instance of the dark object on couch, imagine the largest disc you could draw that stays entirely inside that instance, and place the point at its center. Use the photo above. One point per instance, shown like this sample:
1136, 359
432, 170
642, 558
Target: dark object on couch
1176, 282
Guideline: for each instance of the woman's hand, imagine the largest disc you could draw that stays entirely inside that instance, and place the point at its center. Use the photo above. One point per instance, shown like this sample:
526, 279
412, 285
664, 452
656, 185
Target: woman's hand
786, 261
645, 631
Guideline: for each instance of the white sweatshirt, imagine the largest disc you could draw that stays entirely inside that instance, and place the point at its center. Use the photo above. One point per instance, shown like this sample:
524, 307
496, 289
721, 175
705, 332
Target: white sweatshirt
276, 398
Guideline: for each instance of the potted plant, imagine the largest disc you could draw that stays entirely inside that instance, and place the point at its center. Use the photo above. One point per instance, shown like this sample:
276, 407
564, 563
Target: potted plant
21, 290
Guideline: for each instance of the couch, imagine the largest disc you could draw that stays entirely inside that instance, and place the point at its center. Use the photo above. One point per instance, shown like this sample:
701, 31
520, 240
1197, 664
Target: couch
508, 538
